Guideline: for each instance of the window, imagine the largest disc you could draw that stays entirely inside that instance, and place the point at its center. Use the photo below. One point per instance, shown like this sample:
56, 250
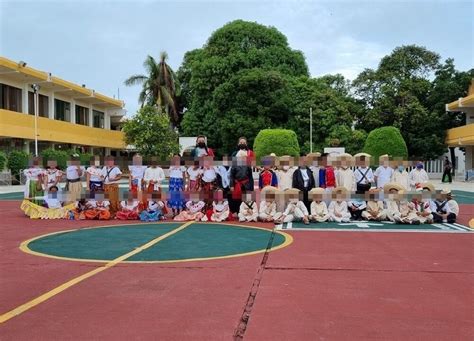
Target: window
10, 98
43, 105
62, 110
82, 115
98, 119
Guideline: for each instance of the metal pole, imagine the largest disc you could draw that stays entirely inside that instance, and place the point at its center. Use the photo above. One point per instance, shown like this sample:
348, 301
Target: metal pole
36, 89
310, 130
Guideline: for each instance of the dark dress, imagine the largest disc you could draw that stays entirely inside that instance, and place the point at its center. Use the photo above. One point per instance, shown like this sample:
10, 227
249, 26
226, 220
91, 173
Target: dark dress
298, 182
241, 179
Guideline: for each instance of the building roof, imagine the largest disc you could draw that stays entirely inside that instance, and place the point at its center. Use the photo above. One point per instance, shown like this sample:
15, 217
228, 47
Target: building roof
463, 102
19, 71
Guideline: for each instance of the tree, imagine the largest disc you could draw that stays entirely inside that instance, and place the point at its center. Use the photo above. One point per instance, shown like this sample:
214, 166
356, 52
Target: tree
3, 161
17, 161
160, 86
150, 133
278, 141
386, 140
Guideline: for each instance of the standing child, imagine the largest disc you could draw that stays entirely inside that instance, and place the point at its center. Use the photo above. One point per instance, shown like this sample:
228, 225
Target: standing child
153, 177
319, 209
344, 175
338, 210
176, 185
248, 208
418, 176
267, 176
285, 173
401, 177
194, 176
111, 175
137, 172
384, 172
363, 174
94, 176
296, 209
34, 179
52, 175
220, 207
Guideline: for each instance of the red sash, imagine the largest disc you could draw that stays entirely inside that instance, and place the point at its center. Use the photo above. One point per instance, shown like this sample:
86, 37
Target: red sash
237, 193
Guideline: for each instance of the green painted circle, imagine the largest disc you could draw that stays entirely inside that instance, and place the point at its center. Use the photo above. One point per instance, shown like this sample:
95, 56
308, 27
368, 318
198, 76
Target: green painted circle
197, 241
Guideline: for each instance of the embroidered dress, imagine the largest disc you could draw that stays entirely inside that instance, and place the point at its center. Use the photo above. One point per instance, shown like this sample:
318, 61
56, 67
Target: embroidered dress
194, 177
220, 211
153, 212
193, 211
129, 210
176, 188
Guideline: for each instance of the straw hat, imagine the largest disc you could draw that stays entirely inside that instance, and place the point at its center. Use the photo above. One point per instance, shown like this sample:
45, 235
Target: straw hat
392, 185
269, 189
428, 185
292, 191
317, 190
362, 154
447, 191
340, 190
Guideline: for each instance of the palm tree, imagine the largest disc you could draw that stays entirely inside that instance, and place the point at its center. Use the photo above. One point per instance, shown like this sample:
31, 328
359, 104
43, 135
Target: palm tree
159, 87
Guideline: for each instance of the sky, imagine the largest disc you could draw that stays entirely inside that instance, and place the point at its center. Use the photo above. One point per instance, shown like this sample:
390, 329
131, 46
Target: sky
101, 43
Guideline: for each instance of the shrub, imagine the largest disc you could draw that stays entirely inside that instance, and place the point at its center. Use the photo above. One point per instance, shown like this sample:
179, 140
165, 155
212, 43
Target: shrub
278, 141
17, 160
60, 156
385, 140
3, 161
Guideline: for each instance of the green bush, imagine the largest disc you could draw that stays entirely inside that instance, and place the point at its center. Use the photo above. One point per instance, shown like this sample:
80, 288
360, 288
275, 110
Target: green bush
17, 160
85, 158
278, 141
3, 161
385, 140
60, 156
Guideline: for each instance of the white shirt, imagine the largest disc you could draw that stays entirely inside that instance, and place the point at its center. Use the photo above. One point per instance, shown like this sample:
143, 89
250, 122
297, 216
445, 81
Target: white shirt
453, 206
154, 174
209, 175
94, 173
53, 175
418, 177
33, 173
112, 173
401, 178
129, 206
72, 172
383, 175
155, 205
137, 172
346, 178
194, 173
224, 173
305, 176
177, 171
369, 177
285, 178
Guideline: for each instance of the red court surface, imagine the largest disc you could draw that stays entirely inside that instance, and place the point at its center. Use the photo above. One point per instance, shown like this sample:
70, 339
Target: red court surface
326, 285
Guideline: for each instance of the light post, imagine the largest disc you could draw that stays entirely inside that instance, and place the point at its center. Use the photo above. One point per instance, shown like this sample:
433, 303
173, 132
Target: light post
36, 88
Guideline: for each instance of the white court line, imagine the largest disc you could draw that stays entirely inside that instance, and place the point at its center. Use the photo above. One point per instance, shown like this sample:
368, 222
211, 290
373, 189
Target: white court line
462, 228
370, 230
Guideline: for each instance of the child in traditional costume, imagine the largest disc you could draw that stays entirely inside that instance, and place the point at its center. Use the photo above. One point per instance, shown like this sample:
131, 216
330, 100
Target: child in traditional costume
401, 176
441, 210
241, 177
295, 210
268, 205
130, 208
111, 175
208, 176
384, 172
34, 181
338, 209
154, 209
357, 206
327, 175
267, 176
94, 177
98, 207
248, 208
220, 207
194, 209
364, 176
51, 206
285, 173
375, 209
153, 177
319, 209
74, 172
176, 185
194, 176
418, 176
344, 175
453, 205
137, 172
392, 201
52, 175
421, 203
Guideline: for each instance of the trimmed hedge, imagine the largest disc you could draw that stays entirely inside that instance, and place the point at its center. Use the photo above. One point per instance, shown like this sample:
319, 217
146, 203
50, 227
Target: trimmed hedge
60, 156
385, 140
278, 141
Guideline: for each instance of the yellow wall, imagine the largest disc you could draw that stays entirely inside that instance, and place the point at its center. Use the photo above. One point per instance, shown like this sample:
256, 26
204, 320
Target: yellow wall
13, 124
461, 136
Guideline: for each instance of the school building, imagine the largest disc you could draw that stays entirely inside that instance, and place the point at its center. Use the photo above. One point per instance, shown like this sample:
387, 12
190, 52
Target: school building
463, 136
69, 115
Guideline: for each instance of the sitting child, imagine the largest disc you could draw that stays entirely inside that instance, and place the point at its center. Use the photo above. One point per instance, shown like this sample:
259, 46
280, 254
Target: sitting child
374, 210
356, 207
220, 207
338, 209
421, 204
296, 209
268, 206
129, 208
97, 208
408, 211
453, 205
154, 209
194, 209
441, 210
248, 208
319, 209
392, 201
52, 206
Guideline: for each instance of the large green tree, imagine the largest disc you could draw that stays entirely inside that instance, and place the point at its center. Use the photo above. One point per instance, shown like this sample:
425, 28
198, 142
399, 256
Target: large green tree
408, 91
159, 86
247, 78
150, 133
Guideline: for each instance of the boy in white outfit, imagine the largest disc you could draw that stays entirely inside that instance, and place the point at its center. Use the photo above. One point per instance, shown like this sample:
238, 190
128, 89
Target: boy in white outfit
268, 206
374, 210
295, 209
338, 210
248, 208
392, 191
344, 175
319, 209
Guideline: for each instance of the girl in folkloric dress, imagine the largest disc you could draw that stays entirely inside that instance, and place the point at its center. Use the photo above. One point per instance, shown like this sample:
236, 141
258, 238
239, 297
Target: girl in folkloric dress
194, 209
220, 207
34, 178
177, 174
194, 176
94, 176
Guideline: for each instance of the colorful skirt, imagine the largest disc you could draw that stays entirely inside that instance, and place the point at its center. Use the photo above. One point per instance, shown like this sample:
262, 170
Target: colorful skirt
95, 186
176, 194
150, 215
34, 192
35, 211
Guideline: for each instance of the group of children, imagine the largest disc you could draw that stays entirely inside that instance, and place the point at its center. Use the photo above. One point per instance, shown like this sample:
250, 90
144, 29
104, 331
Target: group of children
313, 191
